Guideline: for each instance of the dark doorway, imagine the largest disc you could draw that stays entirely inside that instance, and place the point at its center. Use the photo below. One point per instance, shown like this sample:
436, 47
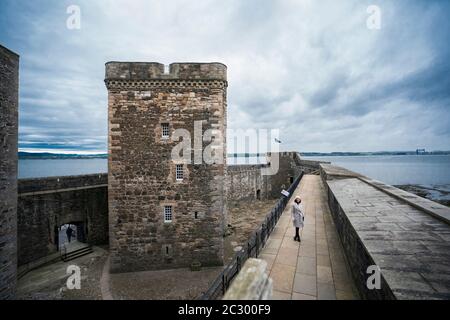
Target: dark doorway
63, 235
291, 180
258, 194
71, 236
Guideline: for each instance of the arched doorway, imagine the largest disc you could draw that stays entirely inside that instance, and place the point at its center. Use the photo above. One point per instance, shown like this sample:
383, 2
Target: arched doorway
71, 236
258, 194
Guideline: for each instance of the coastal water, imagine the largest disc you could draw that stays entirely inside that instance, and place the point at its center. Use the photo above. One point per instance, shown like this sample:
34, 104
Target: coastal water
397, 170
394, 170
37, 168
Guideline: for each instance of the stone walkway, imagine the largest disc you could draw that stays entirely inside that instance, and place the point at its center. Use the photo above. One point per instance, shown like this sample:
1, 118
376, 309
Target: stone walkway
49, 282
316, 268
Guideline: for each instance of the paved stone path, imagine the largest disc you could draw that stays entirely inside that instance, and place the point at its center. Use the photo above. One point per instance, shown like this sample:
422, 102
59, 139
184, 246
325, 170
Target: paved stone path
315, 268
49, 282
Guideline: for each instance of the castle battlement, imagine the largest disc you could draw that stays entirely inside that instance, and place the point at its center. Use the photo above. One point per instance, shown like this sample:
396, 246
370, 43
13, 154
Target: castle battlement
155, 71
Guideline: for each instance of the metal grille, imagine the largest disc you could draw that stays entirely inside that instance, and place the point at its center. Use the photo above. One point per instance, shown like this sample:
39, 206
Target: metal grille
179, 172
165, 130
167, 213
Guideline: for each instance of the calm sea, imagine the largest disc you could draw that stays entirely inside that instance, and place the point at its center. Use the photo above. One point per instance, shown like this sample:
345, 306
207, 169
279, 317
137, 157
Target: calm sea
397, 170
37, 168
394, 170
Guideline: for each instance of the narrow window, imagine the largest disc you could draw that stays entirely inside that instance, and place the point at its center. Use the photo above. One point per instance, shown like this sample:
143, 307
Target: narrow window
196, 215
165, 130
166, 69
167, 213
179, 172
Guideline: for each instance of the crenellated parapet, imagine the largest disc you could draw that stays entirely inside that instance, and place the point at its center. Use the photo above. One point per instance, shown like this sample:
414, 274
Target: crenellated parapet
144, 75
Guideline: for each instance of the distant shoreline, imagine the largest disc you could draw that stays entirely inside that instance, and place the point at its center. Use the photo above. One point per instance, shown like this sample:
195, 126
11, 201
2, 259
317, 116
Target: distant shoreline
59, 156
47, 155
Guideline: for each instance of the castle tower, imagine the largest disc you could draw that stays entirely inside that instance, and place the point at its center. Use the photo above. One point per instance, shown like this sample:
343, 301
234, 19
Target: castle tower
166, 211
9, 96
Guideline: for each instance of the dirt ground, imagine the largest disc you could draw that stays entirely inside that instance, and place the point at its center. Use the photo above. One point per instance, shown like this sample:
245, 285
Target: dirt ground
244, 217
177, 284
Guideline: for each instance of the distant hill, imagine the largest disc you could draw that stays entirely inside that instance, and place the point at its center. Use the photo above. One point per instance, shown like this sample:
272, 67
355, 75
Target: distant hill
48, 155
334, 154
378, 153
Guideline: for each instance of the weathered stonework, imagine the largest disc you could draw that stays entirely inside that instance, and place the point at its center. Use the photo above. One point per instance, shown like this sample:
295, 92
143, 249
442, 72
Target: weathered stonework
245, 182
252, 282
9, 88
251, 182
142, 173
289, 168
44, 204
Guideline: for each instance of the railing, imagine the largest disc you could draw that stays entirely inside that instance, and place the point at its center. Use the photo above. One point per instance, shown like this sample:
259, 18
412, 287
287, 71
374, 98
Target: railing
252, 249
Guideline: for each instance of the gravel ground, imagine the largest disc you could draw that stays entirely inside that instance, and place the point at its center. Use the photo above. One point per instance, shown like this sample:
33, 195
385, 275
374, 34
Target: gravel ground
90, 280
49, 282
178, 284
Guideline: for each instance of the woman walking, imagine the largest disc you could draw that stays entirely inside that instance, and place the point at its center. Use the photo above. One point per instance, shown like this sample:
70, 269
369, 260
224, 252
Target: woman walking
298, 217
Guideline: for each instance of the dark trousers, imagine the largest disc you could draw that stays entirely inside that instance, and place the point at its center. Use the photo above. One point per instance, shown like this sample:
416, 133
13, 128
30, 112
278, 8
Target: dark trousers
297, 235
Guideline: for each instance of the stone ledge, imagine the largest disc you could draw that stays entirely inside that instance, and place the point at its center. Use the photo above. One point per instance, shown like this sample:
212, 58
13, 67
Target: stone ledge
379, 227
5, 51
59, 184
435, 209
251, 283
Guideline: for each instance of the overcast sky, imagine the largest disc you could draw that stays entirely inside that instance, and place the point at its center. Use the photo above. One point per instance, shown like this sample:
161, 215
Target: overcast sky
312, 69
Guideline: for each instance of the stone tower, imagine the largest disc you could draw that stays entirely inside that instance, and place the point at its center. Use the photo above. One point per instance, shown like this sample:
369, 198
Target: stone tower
165, 212
9, 96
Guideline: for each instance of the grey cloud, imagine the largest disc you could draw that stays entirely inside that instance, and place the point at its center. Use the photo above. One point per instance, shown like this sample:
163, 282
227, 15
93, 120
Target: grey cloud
309, 68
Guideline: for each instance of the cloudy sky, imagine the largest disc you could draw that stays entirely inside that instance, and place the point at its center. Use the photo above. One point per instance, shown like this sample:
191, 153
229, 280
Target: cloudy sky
310, 68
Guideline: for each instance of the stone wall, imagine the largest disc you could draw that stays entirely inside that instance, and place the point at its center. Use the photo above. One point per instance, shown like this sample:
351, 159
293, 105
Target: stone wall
142, 180
250, 182
44, 204
288, 169
251, 283
245, 182
9, 88
406, 236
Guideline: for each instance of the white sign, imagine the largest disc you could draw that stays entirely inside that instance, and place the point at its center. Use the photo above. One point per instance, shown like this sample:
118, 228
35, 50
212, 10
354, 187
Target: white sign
285, 193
